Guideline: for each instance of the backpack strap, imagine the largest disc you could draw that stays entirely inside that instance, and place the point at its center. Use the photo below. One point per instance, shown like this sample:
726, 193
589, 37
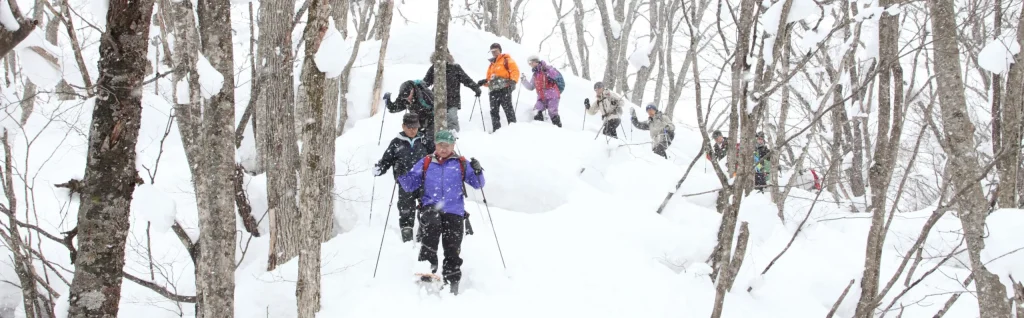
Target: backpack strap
462, 168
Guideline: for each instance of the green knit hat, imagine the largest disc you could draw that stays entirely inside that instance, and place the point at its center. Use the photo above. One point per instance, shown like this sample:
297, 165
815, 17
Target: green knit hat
444, 136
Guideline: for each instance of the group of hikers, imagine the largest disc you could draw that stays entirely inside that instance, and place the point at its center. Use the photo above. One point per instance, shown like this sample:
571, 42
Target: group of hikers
762, 159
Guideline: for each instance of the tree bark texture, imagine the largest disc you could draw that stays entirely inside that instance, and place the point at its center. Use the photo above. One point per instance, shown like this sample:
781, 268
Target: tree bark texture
316, 201
217, 234
10, 39
441, 66
386, 9
110, 166
959, 134
274, 115
346, 73
644, 74
581, 41
1012, 114
611, 47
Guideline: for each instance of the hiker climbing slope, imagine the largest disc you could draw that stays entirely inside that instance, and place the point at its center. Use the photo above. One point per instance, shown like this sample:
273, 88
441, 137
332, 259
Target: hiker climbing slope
501, 79
442, 176
609, 105
454, 75
545, 80
415, 97
661, 127
402, 153
762, 163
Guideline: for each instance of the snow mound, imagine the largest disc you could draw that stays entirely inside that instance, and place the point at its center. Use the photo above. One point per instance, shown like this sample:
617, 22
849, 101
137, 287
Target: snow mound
997, 55
151, 205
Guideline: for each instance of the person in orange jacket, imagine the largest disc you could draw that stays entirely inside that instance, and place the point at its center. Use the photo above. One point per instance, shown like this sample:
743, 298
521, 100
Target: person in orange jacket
501, 80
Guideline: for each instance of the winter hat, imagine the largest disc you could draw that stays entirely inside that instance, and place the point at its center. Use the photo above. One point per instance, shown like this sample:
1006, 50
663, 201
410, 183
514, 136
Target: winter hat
651, 106
716, 134
760, 134
411, 120
496, 46
598, 85
533, 58
444, 136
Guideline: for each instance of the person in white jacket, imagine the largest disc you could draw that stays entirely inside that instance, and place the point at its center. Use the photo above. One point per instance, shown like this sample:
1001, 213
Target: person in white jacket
609, 105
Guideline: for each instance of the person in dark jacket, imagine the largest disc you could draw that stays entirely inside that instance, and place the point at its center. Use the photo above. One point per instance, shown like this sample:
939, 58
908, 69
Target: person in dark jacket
719, 151
415, 97
762, 163
454, 75
443, 211
407, 148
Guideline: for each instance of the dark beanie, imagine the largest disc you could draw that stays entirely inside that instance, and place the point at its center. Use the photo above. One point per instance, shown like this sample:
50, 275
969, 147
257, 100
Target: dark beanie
411, 120
496, 46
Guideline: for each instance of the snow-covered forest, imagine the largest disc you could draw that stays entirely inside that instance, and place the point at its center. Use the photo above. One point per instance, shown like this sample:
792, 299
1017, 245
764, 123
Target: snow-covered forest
623, 158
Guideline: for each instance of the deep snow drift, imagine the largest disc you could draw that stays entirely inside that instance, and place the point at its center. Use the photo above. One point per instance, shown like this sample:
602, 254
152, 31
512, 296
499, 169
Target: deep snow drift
575, 243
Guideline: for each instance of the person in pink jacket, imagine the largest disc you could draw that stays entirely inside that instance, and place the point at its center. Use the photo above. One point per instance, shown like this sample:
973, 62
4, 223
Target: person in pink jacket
547, 89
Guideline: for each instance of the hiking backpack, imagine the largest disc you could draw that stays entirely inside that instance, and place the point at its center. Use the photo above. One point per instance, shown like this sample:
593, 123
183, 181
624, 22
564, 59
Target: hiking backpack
462, 167
559, 80
423, 94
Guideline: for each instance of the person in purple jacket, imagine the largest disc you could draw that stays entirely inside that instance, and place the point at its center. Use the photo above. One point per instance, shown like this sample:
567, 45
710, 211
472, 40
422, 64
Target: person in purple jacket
547, 89
443, 175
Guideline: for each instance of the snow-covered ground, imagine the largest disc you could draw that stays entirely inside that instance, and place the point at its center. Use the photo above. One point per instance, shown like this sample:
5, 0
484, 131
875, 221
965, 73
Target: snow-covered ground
585, 244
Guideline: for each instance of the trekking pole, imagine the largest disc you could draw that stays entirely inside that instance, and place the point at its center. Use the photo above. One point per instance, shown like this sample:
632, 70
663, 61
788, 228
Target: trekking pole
381, 134
373, 191
520, 93
385, 231
600, 129
483, 123
493, 230
474, 109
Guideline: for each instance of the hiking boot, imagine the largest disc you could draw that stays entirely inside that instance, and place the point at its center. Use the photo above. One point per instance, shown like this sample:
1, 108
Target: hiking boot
539, 116
454, 286
406, 234
557, 121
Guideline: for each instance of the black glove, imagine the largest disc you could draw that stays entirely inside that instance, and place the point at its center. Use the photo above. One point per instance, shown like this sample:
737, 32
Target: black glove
475, 164
387, 97
586, 103
481, 82
477, 91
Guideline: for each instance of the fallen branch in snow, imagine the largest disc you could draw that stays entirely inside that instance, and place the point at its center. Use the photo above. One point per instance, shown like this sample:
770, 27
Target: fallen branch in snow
835, 306
680, 183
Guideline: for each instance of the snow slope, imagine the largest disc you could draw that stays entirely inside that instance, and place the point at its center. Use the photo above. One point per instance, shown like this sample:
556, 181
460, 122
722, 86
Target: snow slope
575, 243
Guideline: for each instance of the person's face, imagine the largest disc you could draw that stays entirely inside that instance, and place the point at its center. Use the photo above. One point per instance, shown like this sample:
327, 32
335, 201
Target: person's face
533, 63
444, 149
495, 52
650, 112
719, 139
599, 90
760, 141
410, 131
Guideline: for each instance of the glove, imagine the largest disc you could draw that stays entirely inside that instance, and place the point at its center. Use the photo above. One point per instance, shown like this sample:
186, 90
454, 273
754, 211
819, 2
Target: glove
477, 91
376, 171
475, 164
586, 103
481, 82
632, 111
387, 97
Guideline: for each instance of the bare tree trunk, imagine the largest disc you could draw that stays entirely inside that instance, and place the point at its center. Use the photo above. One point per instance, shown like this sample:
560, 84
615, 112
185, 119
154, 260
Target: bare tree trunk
343, 79
959, 134
110, 168
565, 37
581, 41
216, 265
612, 46
441, 65
28, 98
644, 74
10, 39
386, 8
1008, 161
339, 11
504, 18
315, 197
274, 116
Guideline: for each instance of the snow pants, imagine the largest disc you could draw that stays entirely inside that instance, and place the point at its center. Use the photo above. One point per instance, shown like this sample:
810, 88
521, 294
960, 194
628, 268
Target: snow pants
453, 118
407, 203
760, 180
611, 127
661, 144
447, 229
551, 105
501, 98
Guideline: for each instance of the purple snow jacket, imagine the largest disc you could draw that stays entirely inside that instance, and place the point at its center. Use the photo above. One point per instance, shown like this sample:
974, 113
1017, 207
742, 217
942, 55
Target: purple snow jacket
547, 90
442, 186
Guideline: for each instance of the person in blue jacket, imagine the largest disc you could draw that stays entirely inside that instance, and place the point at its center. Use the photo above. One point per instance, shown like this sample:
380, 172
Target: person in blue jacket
443, 176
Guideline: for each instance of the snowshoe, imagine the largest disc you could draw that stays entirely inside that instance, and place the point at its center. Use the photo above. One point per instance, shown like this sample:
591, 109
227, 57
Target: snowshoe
431, 283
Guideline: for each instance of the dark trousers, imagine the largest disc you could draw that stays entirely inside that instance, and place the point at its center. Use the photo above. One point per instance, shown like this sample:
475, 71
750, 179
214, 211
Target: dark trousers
661, 147
501, 99
611, 127
760, 180
407, 203
447, 229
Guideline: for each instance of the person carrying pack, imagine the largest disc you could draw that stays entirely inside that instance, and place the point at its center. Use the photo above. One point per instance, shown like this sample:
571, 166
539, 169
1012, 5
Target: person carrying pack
718, 151
415, 97
762, 163
401, 154
546, 81
454, 75
663, 131
442, 176
609, 105
501, 79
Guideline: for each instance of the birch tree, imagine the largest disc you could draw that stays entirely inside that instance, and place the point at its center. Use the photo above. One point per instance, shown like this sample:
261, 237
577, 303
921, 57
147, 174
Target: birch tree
959, 135
316, 201
110, 165
275, 136
386, 8
215, 193
1012, 113
441, 66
